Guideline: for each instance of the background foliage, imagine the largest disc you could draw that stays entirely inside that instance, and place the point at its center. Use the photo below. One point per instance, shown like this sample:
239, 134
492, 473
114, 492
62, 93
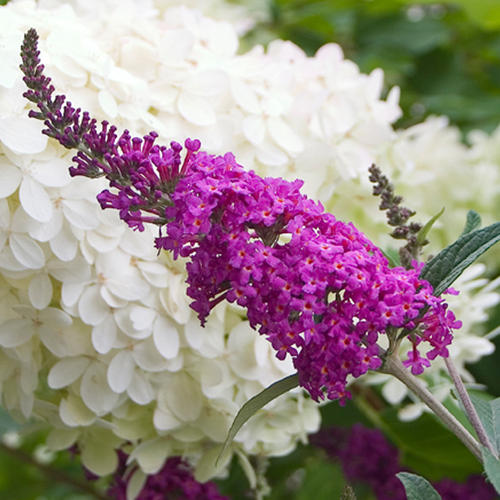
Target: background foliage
445, 56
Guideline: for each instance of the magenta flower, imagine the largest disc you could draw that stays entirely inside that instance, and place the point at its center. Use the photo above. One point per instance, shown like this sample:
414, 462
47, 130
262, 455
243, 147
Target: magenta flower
316, 287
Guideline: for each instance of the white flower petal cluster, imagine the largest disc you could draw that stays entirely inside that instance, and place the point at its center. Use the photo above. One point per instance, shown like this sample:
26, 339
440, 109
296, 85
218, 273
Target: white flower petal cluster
96, 336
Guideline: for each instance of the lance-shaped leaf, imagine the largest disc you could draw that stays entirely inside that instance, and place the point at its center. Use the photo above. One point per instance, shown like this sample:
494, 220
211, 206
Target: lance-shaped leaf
422, 234
417, 488
448, 264
256, 403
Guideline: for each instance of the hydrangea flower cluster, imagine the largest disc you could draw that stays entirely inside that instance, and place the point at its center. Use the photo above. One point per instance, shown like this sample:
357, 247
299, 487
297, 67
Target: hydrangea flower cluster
367, 456
323, 296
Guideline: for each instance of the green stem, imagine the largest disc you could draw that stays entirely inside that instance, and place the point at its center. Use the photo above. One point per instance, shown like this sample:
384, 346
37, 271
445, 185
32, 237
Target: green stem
53, 473
393, 366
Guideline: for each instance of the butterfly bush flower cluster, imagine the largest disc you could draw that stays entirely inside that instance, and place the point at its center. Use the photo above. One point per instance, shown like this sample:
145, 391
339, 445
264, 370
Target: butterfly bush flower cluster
316, 287
367, 456
174, 480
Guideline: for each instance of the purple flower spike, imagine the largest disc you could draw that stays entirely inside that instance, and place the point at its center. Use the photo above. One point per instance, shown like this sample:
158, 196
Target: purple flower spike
316, 287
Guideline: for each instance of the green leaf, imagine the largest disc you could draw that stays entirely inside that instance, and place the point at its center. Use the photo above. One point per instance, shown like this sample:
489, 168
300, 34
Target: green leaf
486, 411
473, 222
417, 488
392, 255
491, 467
495, 410
256, 403
422, 234
428, 448
7, 423
448, 264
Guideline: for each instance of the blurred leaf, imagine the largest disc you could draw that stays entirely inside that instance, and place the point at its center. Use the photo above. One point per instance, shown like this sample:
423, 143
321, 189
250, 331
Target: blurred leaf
492, 468
7, 423
392, 255
417, 488
484, 12
322, 481
428, 448
399, 31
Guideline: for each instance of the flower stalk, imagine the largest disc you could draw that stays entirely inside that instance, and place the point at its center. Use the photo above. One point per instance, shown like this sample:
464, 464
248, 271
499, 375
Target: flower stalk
469, 408
393, 366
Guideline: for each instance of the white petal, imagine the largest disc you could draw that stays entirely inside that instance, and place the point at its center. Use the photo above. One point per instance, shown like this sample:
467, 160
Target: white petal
66, 371
271, 155
102, 243
74, 413
284, 135
15, 332
128, 286
70, 293
43, 231
196, 109
120, 371
108, 103
9, 262
206, 83
245, 96
91, 307
52, 173
254, 129
81, 213
61, 439
151, 455
95, 391
155, 273
184, 398
99, 459
26, 251
40, 291
142, 317
148, 358
140, 390
166, 337
35, 200
104, 335
135, 484
164, 420
64, 244
10, 177
394, 391
22, 134
175, 44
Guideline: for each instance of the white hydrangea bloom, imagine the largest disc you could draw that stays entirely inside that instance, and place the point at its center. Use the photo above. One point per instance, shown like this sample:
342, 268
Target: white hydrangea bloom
124, 359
